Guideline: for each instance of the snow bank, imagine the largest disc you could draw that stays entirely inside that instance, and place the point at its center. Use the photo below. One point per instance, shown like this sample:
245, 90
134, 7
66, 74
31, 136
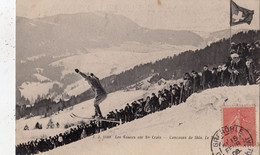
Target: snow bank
32, 90
200, 116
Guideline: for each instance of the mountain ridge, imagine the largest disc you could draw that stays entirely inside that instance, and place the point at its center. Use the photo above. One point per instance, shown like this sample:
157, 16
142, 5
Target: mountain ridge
71, 32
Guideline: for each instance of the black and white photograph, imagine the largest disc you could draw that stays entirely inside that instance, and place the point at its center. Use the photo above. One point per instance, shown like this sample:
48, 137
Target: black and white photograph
138, 77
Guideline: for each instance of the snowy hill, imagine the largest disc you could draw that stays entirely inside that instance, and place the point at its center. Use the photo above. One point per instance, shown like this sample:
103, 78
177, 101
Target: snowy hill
107, 62
200, 116
38, 89
210, 37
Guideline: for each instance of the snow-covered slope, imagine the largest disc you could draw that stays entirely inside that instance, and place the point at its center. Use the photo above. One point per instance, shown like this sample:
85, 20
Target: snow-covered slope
104, 62
114, 101
32, 90
199, 116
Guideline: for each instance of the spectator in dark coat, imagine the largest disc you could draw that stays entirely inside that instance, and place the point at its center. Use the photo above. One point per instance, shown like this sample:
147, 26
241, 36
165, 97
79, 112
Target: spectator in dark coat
58, 124
135, 106
142, 102
37, 125
176, 94
155, 102
206, 78
26, 127
196, 82
128, 113
225, 76
219, 72
148, 107
140, 112
188, 83
117, 115
163, 101
233, 47
214, 81
122, 115
251, 70
238, 70
256, 54
177, 91
167, 94
181, 92
173, 97
242, 51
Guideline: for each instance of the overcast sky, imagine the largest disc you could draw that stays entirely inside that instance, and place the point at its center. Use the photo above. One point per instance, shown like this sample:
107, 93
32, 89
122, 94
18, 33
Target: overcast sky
200, 15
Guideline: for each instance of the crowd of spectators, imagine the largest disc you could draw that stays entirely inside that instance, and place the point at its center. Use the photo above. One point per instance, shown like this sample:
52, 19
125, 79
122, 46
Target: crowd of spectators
46, 144
241, 68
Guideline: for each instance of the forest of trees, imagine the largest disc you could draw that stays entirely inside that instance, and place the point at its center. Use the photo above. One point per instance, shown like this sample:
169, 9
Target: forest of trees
212, 55
174, 66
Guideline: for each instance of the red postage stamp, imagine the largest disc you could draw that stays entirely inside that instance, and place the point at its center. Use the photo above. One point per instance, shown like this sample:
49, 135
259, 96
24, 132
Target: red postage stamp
239, 126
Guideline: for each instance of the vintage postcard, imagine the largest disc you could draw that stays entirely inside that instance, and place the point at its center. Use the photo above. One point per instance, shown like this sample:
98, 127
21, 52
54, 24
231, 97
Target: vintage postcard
148, 77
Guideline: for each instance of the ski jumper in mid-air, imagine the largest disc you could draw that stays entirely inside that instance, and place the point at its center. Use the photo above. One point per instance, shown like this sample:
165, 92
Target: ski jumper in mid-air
100, 93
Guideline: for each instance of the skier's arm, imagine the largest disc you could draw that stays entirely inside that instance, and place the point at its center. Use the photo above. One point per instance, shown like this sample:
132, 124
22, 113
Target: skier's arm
82, 74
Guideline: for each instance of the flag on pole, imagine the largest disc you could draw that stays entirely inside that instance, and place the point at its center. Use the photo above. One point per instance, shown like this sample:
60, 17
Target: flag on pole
239, 15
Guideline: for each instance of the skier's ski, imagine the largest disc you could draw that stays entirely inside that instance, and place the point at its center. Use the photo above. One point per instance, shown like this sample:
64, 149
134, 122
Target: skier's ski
96, 119
74, 115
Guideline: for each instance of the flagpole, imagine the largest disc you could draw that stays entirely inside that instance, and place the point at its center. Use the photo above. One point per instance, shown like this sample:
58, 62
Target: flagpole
230, 22
230, 34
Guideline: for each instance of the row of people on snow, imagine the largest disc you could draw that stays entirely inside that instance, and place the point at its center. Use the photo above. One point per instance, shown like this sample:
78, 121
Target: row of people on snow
241, 68
46, 144
50, 125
